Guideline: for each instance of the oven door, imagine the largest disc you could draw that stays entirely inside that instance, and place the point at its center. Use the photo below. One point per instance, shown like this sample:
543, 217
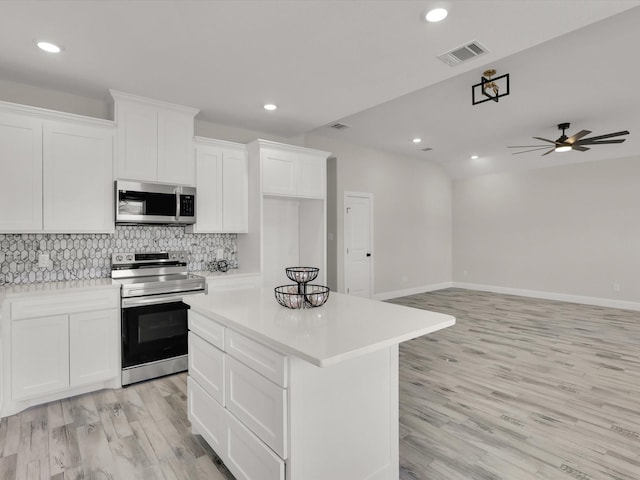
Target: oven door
153, 332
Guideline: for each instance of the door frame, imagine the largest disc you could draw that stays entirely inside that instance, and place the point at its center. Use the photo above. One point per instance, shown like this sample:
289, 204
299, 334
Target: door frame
345, 270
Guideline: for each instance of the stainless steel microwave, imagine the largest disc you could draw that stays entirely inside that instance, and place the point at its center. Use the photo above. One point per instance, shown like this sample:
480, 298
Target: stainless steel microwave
159, 203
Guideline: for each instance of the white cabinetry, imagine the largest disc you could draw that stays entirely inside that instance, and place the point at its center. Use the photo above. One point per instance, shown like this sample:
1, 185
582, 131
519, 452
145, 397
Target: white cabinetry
78, 178
21, 179
241, 413
59, 345
155, 140
294, 171
222, 186
288, 190
40, 357
57, 172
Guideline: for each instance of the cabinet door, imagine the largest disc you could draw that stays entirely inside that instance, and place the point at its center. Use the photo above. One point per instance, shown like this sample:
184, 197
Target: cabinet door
260, 404
137, 142
39, 356
207, 417
209, 189
21, 177
94, 346
312, 177
235, 192
78, 178
247, 457
278, 172
206, 365
175, 148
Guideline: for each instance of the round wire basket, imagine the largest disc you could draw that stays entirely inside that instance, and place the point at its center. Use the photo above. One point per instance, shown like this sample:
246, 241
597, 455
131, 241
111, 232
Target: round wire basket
291, 296
302, 274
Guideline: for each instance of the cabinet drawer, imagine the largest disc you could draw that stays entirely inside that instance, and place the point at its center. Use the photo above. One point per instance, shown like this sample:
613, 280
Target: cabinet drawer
207, 417
64, 303
260, 404
263, 360
206, 366
247, 457
207, 329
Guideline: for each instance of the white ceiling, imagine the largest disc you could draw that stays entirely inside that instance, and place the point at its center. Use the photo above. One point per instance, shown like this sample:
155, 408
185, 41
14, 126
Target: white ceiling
370, 64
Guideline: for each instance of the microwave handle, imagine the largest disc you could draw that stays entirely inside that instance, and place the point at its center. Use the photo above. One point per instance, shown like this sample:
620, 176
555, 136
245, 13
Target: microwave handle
177, 204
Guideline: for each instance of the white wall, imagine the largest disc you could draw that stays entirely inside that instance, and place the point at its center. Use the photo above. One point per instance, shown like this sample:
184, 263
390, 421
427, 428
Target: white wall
412, 215
571, 230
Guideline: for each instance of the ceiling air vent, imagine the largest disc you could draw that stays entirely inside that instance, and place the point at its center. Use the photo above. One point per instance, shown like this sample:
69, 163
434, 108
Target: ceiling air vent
463, 53
428, 149
340, 126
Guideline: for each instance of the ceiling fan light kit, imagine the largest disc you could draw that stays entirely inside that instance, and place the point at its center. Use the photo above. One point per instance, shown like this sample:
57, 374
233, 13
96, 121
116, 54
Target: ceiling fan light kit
574, 142
490, 88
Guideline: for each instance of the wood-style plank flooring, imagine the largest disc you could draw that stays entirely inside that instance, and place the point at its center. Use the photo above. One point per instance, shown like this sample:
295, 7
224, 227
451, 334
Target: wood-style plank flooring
518, 389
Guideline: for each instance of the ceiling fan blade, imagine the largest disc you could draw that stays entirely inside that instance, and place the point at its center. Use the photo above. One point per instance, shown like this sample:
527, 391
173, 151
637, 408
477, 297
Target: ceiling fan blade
550, 151
600, 142
532, 150
578, 136
608, 135
580, 148
527, 146
545, 140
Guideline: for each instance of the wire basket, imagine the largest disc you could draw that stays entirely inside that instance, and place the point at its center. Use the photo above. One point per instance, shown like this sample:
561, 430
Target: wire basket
291, 296
302, 274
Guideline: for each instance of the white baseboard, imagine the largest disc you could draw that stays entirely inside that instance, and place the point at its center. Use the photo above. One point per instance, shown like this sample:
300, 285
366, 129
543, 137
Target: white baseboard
562, 297
412, 291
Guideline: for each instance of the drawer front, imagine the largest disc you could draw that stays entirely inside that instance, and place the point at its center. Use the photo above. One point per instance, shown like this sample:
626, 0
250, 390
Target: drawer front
263, 360
206, 366
207, 417
247, 457
260, 404
64, 303
208, 329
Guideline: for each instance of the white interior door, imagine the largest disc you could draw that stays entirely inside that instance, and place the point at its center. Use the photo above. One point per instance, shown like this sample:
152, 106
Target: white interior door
358, 234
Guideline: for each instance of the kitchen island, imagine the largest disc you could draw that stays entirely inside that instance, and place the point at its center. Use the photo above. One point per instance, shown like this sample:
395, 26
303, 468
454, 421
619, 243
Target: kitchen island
313, 393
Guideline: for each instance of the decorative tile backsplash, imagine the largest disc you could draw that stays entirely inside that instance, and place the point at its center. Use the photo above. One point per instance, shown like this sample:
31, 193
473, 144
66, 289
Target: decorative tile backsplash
84, 256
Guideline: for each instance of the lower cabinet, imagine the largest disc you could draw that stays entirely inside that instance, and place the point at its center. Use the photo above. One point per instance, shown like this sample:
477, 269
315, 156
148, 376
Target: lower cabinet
40, 360
59, 345
241, 413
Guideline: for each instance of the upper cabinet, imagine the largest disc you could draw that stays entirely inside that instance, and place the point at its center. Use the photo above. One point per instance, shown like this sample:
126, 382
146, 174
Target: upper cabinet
293, 171
154, 140
57, 172
222, 186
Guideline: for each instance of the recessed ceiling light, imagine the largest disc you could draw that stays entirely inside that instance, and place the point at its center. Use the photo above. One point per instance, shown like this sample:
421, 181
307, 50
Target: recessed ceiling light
474, 157
270, 107
49, 47
416, 140
436, 15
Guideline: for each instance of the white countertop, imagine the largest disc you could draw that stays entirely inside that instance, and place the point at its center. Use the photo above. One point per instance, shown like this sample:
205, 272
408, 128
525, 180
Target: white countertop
234, 272
45, 288
343, 328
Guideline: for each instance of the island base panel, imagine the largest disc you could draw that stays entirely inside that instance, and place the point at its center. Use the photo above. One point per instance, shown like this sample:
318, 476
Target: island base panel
344, 419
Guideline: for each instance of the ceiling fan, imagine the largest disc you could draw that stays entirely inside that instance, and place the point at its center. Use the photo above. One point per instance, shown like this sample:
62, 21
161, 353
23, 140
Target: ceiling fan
574, 142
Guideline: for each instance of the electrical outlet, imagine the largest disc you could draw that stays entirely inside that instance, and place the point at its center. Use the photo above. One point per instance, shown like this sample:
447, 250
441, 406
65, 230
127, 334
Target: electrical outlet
465, 273
405, 278
616, 287
44, 261
220, 253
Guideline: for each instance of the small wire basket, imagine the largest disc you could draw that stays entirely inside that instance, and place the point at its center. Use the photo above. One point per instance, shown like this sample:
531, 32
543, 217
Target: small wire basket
302, 274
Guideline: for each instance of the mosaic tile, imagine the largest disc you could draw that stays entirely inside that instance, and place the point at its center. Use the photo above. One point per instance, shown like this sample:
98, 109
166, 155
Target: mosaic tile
77, 256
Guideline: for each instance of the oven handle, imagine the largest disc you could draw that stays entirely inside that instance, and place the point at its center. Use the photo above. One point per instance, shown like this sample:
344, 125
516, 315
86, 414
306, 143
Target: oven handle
155, 300
178, 206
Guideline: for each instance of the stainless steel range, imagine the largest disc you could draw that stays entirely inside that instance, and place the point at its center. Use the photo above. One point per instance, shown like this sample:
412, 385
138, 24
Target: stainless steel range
154, 317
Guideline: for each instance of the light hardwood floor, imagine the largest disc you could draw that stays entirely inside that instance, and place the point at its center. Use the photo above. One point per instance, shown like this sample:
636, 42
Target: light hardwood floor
521, 389
518, 389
